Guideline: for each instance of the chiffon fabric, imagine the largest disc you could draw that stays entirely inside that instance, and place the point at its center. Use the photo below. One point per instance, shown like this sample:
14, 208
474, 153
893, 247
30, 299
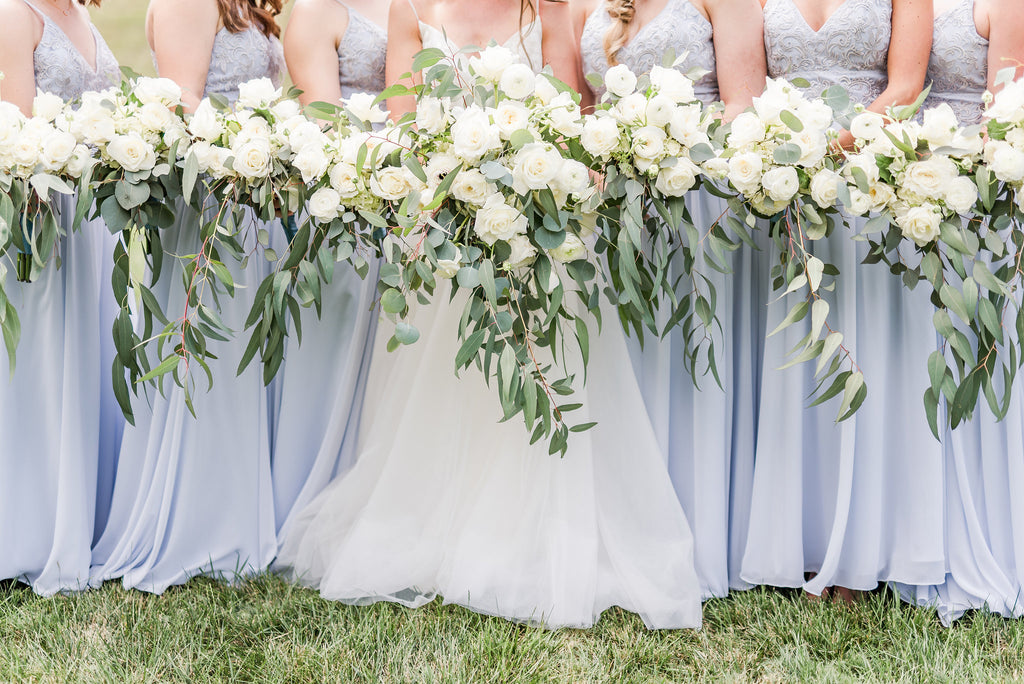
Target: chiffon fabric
52, 408
193, 494
707, 434
860, 502
446, 500
323, 380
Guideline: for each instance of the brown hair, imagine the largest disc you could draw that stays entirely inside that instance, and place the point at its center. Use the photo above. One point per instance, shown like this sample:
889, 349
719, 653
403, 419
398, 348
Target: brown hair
239, 15
621, 12
94, 3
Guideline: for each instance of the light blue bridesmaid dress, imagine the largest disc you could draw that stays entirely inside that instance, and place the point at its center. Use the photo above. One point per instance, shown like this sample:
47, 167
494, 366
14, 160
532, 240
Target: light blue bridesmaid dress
859, 502
323, 379
193, 495
984, 459
707, 434
50, 412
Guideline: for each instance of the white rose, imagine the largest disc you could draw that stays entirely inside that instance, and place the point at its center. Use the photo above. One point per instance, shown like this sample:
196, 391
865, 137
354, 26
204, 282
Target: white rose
132, 152
431, 115
1008, 104
93, 125
881, 196
631, 109
518, 81
600, 135
252, 159
392, 183
204, 122
672, 84
312, 162
344, 179
745, 172
257, 93
473, 134
305, 133
492, 62
325, 204
47, 106
746, 129
660, 110
781, 183
815, 114
867, 126
447, 268
536, 167
860, 203
57, 149
686, 126
567, 120
523, 252
961, 194
676, 180
286, 109
649, 143
496, 220
1005, 162
825, 188
545, 91
156, 117
716, 168
362, 106
511, 116
81, 159
940, 126
813, 146
927, 179
471, 186
162, 91
570, 250
920, 224
620, 80
27, 148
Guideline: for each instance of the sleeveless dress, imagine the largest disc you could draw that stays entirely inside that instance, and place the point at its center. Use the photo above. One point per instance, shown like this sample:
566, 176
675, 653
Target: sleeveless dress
707, 434
984, 459
52, 409
323, 379
193, 494
445, 500
857, 502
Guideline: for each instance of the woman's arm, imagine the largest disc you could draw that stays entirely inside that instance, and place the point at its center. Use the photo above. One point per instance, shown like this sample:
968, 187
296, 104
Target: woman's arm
1005, 38
739, 52
181, 33
311, 49
21, 29
560, 52
403, 43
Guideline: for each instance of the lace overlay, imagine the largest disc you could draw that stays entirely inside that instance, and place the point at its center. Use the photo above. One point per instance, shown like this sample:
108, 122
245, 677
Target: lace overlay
679, 27
361, 56
60, 69
850, 50
240, 57
958, 67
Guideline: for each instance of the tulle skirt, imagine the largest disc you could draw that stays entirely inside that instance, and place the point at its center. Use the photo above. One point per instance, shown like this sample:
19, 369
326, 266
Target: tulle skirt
708, 434
858, 502
191, 494
51, 412
445, 500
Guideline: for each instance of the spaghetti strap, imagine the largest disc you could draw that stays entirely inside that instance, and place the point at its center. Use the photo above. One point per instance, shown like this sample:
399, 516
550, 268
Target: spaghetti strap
417, 14
42, 15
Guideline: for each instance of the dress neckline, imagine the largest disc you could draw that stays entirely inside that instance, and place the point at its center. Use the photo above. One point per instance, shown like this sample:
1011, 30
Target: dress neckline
94, 68
821, 28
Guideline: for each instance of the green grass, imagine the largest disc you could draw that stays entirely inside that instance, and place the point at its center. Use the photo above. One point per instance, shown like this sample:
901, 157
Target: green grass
268, 631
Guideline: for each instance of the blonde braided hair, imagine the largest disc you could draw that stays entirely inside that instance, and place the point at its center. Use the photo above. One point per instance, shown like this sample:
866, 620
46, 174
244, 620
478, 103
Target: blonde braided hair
621, 13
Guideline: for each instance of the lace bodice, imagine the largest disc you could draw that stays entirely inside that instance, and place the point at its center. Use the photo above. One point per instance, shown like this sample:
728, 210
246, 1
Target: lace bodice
240, 57
528, 44
361, 56
958, 67
850, 50
61, 69
679, 27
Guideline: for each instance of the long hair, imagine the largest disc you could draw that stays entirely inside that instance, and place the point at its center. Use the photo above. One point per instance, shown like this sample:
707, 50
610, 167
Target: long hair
87, 3
621, 13
238, 15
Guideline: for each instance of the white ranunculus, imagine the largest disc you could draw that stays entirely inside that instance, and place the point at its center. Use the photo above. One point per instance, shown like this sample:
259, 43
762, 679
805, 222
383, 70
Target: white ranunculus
447, 268
678, 179
362, 106
496, 220
440, 165
81, 159
473, 134
523, 252
492, 62
600, 135
258, 93
672, 84
620, 80
325, 204
775, 99
649, 143
536, 167
939, 126
312, 162
471, 186
631, 109
815, 114
927, 179
867, 125
132, 152
866, 163
746, 129
431, 115
204, 122
47, 106
745, 172
392, 183
961, 194
781, 184
511, 116
825, 188
1005, 162
161, 91
920, 224
573, 177
571, 249
660, 110
305, 133
344, 179
518, 81
252, 159
906, 131
813, 146
57, 149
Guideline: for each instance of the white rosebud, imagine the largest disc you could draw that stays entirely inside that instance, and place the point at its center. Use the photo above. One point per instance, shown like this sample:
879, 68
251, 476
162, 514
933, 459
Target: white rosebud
571, 249
825, 188
600, 135
325, 204
471, 186
258, 93
620, 80
523, 252
678, 179
47, 106
672, 84
473, 134
781, 184
920, 224
447, 268
496, 220
361, 105
518, 81
132, 152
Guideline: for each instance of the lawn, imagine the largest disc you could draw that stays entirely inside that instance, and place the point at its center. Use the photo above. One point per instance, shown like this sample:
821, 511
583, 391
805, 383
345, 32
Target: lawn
268, 631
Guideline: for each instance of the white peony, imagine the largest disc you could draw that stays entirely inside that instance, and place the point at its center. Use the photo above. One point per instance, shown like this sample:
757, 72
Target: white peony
676, 180
132, 152
363, 107
258, 93
252, 158
518, 81
825, 188
571, 249
473, 134
672, 84
600, 135
523, 252
511, 116
781, 184
620, 80
496, 220
47, 106
746, 129
431, 115
471, 186
492, 62
920, 224
536, 167
325, 204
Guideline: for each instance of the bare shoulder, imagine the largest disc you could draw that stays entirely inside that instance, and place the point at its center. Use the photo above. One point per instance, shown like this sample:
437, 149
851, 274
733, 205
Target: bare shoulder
19, 21
581, 9
324, 10
199, 10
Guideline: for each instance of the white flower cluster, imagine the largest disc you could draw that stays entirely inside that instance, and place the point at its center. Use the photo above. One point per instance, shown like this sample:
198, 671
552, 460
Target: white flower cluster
1004, 149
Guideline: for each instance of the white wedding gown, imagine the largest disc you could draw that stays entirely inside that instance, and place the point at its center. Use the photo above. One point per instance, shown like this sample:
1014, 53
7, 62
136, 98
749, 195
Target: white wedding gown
445, 500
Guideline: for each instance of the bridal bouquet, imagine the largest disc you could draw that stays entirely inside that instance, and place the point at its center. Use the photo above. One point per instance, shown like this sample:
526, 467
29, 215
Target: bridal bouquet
503, 213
